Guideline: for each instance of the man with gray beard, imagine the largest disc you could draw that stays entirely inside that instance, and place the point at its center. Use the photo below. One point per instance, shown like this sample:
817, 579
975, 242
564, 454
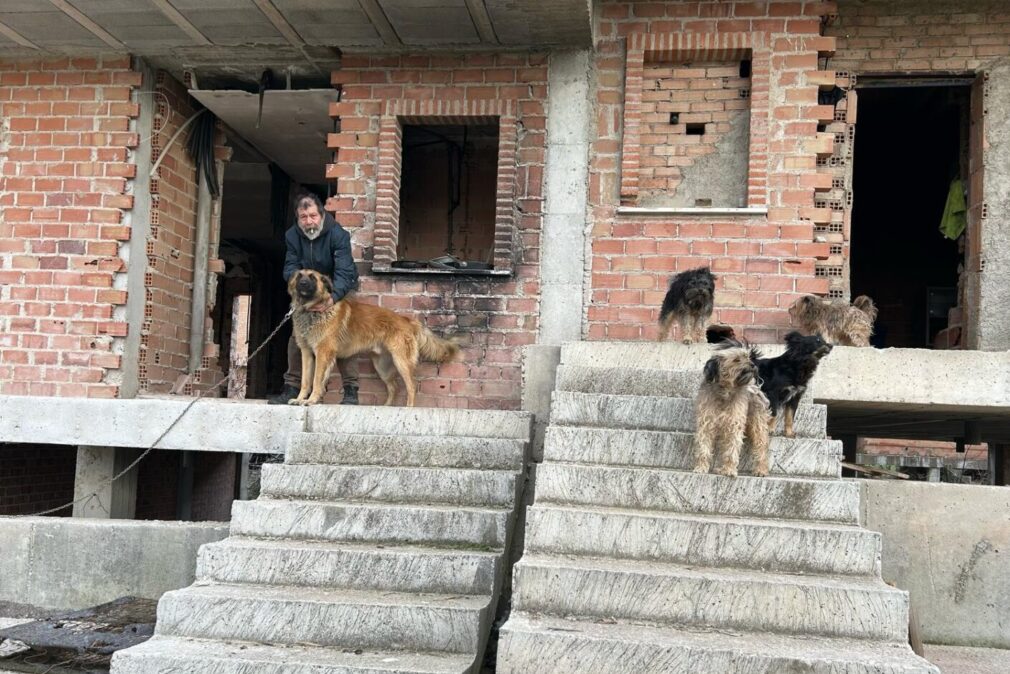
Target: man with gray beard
318, 242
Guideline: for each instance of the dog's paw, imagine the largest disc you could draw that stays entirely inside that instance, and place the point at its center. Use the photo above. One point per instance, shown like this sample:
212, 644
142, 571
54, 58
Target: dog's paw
296, 401
700, 468
726, 471
760, 472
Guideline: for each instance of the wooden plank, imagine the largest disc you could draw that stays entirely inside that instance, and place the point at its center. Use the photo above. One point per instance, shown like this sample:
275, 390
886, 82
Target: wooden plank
873, 470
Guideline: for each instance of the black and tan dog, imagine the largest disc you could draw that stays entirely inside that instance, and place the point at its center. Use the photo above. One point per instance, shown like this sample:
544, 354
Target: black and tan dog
349, 328
728, 409
784, 378
836, 321
690, 300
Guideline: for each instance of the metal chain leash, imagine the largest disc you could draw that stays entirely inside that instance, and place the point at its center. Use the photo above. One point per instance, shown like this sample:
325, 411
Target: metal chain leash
199, 395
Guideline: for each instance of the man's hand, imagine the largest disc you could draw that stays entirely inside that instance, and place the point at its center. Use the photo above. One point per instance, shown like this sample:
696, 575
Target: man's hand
322, 306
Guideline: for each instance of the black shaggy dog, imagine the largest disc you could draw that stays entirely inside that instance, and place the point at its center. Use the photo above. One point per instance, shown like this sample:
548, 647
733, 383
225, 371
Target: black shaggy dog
784, 379
690, 300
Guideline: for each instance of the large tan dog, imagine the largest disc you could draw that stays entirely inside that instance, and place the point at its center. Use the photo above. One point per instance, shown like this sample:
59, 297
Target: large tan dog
349, 328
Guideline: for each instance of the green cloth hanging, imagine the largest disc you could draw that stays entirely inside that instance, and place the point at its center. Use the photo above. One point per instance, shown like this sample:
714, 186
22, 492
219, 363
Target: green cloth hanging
955, 215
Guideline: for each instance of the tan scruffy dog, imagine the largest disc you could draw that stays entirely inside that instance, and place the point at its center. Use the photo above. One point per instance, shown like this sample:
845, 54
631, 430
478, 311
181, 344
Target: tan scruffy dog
835, 321
730, 407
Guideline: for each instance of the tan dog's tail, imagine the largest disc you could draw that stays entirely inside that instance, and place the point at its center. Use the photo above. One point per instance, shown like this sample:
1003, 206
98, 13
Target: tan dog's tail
435, 348
866, 305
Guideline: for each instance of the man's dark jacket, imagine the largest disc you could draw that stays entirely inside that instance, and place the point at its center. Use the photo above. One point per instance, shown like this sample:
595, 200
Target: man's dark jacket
329, 254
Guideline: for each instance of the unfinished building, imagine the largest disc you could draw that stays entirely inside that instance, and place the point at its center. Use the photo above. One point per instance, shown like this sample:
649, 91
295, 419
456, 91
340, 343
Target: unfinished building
520, 174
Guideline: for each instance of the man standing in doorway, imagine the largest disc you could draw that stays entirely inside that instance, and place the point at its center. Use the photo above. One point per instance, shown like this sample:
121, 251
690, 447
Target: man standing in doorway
318, 242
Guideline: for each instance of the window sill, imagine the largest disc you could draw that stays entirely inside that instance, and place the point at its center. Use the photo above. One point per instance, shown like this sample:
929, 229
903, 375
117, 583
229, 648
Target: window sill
700, 212
396, 271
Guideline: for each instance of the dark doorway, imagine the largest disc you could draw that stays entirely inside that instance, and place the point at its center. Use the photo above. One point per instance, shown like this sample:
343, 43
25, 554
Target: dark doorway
911, 142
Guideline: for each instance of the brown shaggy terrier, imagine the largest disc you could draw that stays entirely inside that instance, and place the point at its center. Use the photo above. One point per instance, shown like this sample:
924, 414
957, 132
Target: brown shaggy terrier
728, 409
835, 321
349, 328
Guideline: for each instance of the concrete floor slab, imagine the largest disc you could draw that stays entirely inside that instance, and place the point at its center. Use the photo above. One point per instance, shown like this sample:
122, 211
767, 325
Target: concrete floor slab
964, 660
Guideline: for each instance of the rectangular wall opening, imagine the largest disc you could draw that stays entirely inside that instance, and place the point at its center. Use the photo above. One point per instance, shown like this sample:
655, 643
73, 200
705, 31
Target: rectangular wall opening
448, 190
695, 135
911, 143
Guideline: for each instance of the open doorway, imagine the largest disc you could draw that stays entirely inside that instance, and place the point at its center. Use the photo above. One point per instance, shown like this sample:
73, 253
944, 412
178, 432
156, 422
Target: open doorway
279, 149
911, 143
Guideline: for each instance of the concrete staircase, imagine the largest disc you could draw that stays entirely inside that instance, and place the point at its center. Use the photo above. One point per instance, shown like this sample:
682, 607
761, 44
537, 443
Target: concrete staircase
634, 564
380, 548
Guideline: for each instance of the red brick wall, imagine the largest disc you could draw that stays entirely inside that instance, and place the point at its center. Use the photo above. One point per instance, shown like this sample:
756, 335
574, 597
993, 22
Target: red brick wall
165, 334
763, 263
36, 477
65, 136
496, 316
931, 35
705, 93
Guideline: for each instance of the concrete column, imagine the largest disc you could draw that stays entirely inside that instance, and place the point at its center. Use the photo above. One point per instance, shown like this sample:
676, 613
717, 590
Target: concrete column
95, 466
563, 240
139, 219
993, 316
933, 475
566, 189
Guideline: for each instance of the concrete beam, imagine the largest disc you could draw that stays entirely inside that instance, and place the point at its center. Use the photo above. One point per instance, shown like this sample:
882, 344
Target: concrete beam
61, 563
92, 27
12, 34
279, 22
184, 24
482, 21
222, 425
970, 382
380, 22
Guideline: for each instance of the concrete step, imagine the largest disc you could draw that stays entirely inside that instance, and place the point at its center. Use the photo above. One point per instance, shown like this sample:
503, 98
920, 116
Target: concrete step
348, 565
407, 450
758, 544
680, 491
730, 599
661, 449
649, 355
495, 488
548, 645
372, 420
654, 413
371, 522
638, 381
333, 618
173, 655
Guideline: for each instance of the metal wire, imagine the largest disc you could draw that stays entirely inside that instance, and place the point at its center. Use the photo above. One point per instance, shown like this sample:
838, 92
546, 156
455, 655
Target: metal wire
199, 395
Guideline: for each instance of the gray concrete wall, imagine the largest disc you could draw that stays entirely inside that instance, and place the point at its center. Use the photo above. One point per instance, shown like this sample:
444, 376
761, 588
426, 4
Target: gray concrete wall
949, 546
62, 563
994, 280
